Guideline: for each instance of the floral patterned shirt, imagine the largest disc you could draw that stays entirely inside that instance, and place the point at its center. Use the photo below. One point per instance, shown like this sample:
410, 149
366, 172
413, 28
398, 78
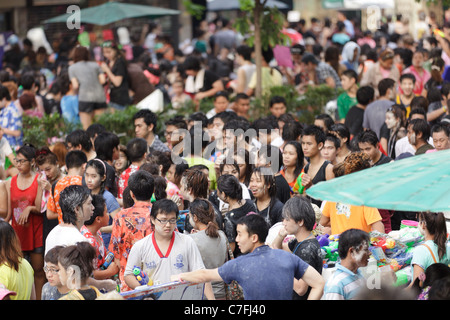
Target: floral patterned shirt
123, 179
11, 119
129, 226
97, 244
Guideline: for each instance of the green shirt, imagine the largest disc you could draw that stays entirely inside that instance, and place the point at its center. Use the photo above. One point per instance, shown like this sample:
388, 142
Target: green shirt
344, 103
191, 161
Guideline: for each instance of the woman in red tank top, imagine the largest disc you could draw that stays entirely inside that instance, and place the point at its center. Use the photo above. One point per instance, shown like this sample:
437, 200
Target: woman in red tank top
25, 194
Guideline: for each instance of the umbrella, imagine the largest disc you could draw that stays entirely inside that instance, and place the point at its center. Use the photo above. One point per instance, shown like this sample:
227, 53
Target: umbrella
224, 5
418, 183
110, 12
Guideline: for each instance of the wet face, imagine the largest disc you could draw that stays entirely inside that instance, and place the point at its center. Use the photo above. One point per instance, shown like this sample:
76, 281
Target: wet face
51, 272
86, 210
93, 179
361, 254
244, 240
411, 135
257, 185
391, 120
165, 223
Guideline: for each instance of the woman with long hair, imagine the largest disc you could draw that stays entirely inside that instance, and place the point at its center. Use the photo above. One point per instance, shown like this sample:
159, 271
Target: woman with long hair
293, 162
264, 189
393, 129
16, 273
434, 249
211, 241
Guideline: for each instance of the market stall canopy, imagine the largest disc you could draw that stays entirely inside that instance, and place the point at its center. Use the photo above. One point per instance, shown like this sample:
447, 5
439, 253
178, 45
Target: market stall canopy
225, 5
357, 4
112, 11
418, 183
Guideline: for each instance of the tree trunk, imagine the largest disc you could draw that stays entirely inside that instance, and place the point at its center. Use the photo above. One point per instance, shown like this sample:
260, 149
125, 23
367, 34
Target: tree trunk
257, 46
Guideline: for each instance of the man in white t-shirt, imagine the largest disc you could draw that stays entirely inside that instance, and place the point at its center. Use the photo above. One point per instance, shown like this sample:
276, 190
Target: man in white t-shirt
76, 206
164, 252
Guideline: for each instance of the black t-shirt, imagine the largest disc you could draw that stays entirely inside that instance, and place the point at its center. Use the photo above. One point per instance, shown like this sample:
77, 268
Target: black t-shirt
283, 189
383, 159
272, 214
120, 94
208, 80
354, 120
232, 217
309, 251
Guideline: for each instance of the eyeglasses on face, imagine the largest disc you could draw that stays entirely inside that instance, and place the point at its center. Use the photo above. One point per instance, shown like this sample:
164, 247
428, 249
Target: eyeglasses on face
21, 161
165, 221
50, 270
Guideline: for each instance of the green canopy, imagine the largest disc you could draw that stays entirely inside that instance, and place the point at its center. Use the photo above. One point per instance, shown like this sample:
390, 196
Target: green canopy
418, 183
112, 11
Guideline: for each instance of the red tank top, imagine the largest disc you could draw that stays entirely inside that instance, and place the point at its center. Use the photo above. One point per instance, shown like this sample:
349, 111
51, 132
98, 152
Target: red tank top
30, 234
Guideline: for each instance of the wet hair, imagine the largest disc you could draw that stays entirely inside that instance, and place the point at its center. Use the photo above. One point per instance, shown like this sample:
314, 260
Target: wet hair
204, 211
142, 184
435, 224
255, 224
99, 208
70, 198
164, 206
82, 255
10, 249
299, 208
196, 181
230, 185
351, 238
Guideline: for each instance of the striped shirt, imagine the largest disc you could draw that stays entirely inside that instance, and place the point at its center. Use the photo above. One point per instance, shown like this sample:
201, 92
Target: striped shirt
343, 284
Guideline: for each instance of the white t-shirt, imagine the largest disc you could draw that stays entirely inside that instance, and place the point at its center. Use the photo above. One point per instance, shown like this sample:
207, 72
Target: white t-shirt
5, 150
182, 256
63, 235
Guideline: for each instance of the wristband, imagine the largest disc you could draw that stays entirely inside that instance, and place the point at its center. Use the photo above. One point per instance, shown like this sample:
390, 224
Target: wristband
445, 108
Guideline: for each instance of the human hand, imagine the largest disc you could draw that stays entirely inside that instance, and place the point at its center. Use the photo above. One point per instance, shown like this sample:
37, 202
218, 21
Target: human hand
306, 181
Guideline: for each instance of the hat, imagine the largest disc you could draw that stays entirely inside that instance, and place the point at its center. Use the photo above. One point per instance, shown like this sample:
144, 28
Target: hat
4, 292
13, 39
310, 58
310, 41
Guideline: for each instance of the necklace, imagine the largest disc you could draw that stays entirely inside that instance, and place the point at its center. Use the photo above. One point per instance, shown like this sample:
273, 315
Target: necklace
299, 243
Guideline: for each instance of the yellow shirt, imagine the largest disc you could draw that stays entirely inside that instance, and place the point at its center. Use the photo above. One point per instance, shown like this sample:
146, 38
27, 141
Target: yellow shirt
344, 217
21, 282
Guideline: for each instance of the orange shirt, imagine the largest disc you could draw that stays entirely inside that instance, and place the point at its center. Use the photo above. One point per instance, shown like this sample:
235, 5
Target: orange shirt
53, 201
344, 217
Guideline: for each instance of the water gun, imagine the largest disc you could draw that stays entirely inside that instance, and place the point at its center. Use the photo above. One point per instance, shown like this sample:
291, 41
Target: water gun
109, 258
438, 32
330, 252
141, 276
298, 188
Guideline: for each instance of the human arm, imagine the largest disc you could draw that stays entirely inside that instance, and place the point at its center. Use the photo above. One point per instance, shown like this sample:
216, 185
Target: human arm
433, 115
313, 279
116, 80
3, 200
216, 87
112, 270
278, 243
198, 276
377, 226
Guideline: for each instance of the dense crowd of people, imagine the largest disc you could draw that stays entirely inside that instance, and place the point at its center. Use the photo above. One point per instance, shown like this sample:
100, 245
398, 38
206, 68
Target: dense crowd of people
211, 195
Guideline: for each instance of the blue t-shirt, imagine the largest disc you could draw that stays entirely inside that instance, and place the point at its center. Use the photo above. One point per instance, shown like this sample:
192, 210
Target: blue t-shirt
265, 273
111, 205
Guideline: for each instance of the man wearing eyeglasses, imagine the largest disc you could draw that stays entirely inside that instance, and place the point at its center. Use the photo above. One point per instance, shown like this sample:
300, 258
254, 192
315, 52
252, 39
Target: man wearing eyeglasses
164, 252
